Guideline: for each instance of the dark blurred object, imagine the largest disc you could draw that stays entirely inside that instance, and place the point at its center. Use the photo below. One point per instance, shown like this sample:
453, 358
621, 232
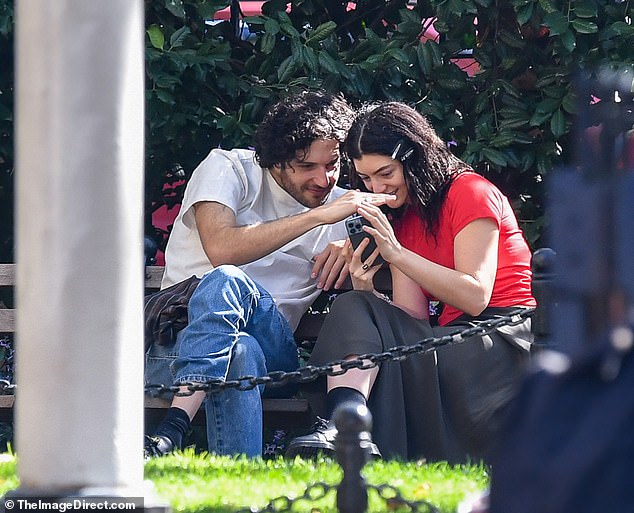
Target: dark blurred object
543, 265
150, 249
567, 446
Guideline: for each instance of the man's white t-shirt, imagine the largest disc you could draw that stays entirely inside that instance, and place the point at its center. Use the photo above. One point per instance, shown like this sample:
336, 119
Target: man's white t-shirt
234, 179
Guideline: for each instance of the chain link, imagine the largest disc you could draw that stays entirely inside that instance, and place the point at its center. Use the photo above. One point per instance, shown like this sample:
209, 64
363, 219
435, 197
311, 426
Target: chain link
338, 367
283, 503
393, 498
311, 372
390, 494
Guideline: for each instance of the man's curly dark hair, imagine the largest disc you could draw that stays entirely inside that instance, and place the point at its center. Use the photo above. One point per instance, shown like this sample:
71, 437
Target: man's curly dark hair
295, 122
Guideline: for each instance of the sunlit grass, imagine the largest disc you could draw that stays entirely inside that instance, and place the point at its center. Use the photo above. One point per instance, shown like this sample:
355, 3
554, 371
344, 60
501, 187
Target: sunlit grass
196, 483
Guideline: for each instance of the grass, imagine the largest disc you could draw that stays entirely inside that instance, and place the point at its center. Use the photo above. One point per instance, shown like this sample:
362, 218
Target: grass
194, 483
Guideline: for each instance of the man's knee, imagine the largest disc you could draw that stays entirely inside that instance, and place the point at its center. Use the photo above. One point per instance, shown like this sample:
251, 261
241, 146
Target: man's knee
222, 274
247, 359
225, 281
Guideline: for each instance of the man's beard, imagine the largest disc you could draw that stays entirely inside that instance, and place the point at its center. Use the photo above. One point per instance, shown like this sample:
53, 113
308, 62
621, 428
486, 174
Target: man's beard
303, 196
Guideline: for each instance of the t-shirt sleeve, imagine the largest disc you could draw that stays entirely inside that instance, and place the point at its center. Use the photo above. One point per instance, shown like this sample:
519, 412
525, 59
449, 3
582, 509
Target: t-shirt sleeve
473, 197
220, 178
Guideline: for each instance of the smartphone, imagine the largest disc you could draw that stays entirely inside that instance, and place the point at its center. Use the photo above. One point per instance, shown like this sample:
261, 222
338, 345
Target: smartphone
354, 225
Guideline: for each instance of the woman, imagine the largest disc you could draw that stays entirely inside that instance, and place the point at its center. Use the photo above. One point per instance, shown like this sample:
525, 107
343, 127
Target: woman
453, 238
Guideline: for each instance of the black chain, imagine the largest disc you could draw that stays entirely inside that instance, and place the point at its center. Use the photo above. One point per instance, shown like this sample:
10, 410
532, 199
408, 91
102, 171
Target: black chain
336, 368
283, 504
390, 494
395, 500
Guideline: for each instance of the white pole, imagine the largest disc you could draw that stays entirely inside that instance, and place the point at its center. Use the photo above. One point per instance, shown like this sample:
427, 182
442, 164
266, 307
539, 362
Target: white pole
79, 172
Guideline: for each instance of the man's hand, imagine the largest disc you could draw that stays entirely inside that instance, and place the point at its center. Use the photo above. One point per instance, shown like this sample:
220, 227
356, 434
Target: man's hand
349, 204
330, 266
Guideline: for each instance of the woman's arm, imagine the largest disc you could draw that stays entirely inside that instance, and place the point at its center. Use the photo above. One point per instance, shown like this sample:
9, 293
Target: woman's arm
469, 286
408, 296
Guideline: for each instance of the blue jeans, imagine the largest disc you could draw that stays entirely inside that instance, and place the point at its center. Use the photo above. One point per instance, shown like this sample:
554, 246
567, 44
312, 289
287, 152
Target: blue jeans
235, 329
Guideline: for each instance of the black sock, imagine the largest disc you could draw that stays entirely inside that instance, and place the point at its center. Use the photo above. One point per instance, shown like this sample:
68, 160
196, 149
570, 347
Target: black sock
174, 426
340, 395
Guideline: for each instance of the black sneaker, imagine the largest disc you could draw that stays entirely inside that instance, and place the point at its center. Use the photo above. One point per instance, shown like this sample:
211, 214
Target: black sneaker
156, 446
322, 441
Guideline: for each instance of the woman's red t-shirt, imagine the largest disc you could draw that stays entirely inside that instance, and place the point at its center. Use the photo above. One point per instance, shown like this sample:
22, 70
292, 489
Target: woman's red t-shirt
471, 197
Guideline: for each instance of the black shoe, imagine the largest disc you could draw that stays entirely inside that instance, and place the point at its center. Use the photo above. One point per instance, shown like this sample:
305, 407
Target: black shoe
322, 441
156, 446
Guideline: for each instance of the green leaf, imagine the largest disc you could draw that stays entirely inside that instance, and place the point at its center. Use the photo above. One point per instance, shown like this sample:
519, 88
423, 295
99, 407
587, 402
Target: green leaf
327, 62
513, 40
548, 106
495, 157
569, 103
179, 36
619, 29
569, 41
286, 68
208, 9
584, 26
524, 14
165, 96
549, 6
425, 58
310, 59
556, 22
503, 139
539, 118
558, 123
451, 83
267, 43
584, 9
176, 8
157, 38
322, 32
271, 27
398, 54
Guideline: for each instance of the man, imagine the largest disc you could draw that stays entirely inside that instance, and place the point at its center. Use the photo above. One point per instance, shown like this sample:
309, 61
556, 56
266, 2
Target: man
258, 227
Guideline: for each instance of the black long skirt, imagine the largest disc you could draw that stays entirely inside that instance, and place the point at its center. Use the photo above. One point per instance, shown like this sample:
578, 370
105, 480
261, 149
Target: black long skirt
444, 404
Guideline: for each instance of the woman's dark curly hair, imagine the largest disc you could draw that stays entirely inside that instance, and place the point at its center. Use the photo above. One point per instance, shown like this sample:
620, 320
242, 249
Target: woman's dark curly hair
295, 122
397, 130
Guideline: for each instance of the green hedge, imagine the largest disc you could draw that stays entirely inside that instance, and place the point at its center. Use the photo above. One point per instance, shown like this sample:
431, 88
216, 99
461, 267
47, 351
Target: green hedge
207, 87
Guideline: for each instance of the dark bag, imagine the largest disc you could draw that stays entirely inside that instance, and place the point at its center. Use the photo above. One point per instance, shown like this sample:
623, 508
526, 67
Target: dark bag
568, 446
165, 312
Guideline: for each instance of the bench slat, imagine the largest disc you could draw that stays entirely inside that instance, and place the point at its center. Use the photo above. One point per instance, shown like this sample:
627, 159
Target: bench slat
7, 320
280, 405
7, 275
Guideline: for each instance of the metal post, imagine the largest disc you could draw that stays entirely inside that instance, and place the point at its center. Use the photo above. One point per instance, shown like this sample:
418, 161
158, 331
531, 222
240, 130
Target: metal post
351, 420
79, 161
543, 268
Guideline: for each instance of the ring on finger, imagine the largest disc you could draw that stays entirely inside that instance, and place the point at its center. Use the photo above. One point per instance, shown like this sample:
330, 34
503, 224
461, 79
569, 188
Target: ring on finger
365, 267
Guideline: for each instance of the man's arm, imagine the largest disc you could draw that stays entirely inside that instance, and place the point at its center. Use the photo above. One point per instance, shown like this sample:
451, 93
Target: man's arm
225, 242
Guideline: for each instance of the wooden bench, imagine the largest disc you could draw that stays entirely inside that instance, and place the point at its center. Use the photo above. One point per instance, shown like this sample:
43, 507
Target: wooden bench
292, 412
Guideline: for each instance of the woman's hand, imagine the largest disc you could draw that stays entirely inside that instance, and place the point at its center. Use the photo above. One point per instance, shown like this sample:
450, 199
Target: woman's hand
361, 273
381, 230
